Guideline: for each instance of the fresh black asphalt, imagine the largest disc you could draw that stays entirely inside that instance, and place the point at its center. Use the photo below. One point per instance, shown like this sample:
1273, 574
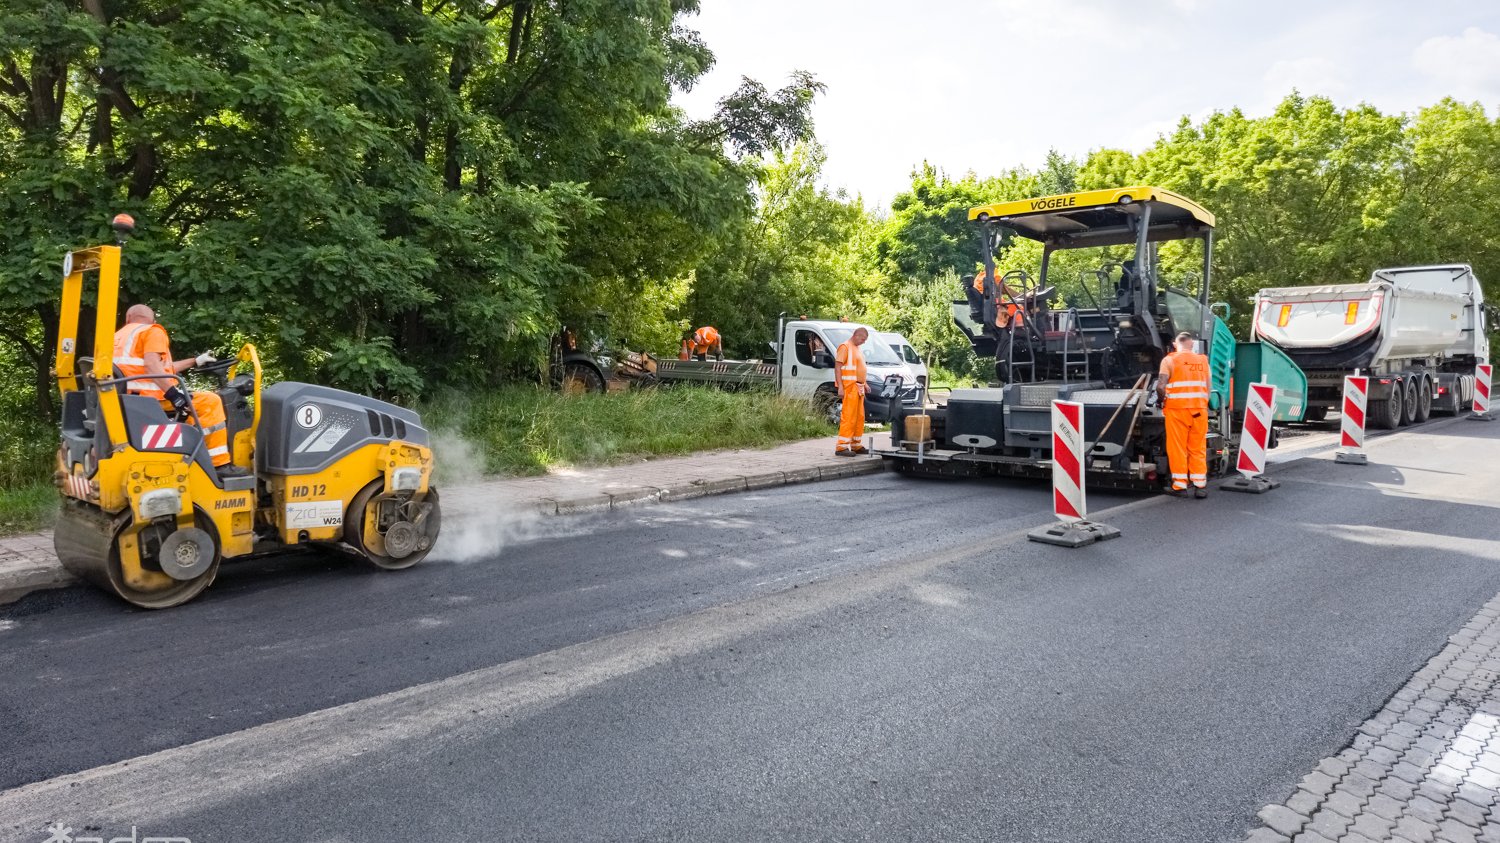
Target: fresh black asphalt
1161, 686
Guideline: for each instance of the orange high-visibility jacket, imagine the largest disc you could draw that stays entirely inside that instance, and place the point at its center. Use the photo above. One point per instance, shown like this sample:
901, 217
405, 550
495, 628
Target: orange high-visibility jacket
1187, 381
705, 338
1005, 311
132, 343
851, 366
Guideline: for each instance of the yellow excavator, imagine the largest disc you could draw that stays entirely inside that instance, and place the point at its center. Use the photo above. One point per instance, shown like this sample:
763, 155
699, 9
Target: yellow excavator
147, 517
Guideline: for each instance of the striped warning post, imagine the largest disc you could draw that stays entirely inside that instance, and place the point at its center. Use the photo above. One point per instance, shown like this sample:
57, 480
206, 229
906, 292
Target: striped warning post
1352, 425
1483, 374
1069, 504
1255, 439
1068, 501
1255, 436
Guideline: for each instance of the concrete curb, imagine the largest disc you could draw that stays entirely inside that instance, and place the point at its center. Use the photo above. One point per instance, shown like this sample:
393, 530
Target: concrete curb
19, 580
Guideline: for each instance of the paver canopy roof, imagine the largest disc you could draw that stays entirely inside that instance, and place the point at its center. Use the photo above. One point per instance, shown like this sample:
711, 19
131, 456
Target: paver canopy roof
1099, 217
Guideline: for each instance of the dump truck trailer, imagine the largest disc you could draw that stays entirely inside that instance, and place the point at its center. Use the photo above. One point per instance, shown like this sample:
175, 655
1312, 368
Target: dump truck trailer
1417, 331
799, 365
1102, 349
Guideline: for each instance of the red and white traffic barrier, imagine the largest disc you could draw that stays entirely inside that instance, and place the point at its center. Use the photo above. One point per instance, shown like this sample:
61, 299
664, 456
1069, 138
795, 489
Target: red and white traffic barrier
1069, 502
1483, 374
1352, 424
1255, 439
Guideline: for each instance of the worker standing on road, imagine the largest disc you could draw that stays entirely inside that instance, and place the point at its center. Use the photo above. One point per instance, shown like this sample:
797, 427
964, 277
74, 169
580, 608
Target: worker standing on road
142, 347
1183, 389
703, 340
849, 363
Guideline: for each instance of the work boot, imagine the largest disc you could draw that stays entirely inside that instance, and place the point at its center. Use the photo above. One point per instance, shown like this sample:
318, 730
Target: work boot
232, 470
843, 453
1177, 493
860, 449
1200, 492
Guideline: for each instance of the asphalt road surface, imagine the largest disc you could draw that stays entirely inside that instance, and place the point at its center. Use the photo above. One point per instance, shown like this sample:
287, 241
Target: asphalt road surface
873, 659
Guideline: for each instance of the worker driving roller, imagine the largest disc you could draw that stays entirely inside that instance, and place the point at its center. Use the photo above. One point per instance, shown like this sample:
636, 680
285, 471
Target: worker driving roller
142, 347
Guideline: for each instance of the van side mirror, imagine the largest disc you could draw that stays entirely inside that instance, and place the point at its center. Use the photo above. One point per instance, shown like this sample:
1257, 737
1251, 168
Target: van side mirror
822, 360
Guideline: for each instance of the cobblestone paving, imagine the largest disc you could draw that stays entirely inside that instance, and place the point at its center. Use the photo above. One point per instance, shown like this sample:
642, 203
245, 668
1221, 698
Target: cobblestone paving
1425, 768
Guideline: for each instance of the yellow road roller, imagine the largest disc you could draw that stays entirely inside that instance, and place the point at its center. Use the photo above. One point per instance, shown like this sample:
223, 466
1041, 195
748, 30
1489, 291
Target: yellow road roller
146, 516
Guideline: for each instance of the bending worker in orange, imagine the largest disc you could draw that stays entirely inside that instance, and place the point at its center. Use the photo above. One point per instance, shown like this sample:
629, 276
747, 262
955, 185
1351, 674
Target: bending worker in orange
704, 340
849, 365
142, 347
1183, 388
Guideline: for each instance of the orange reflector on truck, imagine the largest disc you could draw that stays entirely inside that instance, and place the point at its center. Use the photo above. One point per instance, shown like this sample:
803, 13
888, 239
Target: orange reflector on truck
1285, 317
1351, 312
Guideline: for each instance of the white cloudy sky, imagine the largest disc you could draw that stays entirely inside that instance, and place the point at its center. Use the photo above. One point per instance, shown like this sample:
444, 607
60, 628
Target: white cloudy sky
987, 84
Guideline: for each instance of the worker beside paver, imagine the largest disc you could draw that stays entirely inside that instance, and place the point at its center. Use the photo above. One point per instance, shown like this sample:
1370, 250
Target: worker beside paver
142, 347
703, 340
1183, 389
849, 363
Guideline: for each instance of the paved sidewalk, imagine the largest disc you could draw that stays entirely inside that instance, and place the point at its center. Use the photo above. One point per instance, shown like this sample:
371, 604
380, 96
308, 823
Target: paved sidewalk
28, 564
1425, 768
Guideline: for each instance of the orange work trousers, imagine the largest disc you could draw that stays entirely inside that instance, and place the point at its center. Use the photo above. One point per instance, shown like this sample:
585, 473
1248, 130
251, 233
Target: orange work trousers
1187, 447
851, 421
210, 409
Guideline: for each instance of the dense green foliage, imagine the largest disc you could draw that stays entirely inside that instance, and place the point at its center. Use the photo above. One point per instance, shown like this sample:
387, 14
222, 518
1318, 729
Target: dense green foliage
387, 196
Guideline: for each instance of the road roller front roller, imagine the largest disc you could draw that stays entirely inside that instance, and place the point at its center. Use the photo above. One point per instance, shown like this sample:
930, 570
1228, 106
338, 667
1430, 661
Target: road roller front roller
148, 517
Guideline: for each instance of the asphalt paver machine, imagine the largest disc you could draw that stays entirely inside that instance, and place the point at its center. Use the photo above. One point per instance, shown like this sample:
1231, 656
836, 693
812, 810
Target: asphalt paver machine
145, 514
1101, 345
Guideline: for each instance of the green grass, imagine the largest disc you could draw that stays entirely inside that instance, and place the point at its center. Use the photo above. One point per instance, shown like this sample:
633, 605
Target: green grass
28, 508
526, 431
513, 431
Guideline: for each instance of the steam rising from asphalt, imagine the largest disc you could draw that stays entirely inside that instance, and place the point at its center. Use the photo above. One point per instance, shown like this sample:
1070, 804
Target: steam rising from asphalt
478, 527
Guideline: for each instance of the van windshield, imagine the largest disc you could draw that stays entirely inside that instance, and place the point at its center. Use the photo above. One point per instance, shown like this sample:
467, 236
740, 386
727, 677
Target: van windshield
876, 352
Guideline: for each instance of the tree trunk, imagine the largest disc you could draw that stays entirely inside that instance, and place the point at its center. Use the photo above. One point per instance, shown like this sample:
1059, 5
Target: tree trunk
46, 407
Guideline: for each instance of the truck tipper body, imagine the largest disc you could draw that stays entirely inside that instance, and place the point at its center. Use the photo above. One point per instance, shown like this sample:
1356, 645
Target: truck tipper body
1416, 331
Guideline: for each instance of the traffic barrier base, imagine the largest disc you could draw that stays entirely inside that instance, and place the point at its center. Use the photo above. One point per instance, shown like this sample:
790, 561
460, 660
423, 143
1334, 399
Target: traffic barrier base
1073, 533
1351, 458
1257, 485
1069, 500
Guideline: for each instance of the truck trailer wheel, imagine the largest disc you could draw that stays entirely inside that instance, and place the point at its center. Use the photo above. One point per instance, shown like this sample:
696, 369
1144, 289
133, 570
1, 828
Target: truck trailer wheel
1386, 413
1316, 414
1409, 402
1423, 410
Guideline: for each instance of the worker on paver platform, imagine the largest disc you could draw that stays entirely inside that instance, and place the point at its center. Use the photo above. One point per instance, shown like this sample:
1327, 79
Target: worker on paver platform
1007, 311
703, 340
142, 347
849, 364
1183, 390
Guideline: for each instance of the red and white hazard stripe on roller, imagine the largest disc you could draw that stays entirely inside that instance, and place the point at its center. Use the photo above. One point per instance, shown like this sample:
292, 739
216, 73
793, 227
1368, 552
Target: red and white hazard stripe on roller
1356, 397
1483, 373
1256, 435
155, 436
1067, 461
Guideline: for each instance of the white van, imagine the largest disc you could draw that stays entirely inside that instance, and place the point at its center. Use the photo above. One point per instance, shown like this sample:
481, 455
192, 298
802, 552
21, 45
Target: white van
908, 354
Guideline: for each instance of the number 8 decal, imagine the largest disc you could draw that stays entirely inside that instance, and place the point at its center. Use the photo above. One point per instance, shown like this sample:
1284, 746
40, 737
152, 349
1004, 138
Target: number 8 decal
308, 415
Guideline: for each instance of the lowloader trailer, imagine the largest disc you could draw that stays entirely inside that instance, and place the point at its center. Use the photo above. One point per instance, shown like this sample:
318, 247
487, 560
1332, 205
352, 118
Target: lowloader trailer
1416, 331
1103, 349
801, 367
